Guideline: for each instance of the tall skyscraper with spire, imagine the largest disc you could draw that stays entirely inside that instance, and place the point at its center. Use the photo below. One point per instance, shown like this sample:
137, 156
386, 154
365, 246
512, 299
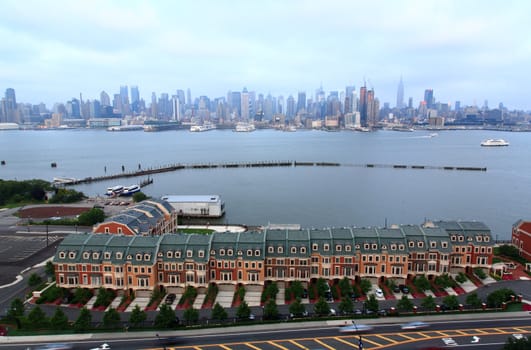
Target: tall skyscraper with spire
363, 106
400, 94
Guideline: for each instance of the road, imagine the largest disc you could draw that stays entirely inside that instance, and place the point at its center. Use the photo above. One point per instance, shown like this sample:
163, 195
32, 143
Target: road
474, 334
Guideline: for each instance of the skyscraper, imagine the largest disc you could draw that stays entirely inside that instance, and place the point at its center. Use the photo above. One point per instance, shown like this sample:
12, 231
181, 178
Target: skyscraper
245, 105
400, 95
124, 94
363, 106
428, 98
135, 99
105, 100
290, 107
301, 101
11, 99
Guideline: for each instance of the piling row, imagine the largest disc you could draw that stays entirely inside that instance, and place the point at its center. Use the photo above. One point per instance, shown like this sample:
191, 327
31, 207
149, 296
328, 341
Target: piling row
174, 167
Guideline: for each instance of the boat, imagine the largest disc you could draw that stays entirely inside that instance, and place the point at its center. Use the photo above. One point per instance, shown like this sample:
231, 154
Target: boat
130, 190
402, 128
157, 125
204, 127
114, 191
64, 180
125, 128
244, 127
494, 143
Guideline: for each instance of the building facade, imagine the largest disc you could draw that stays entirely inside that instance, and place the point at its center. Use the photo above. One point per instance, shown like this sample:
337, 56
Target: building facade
521, 238
169, 261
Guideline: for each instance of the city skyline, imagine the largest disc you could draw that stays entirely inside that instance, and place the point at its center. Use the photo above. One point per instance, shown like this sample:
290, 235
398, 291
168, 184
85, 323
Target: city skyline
56, 50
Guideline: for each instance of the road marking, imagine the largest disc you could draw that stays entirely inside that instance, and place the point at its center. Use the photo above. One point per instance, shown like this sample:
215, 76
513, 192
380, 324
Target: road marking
424, 335
252, 346
346, 342
443, 334
462, 332
388, 339
276, 345
366, 340
224, 347
406, 336
323, 344
297, 344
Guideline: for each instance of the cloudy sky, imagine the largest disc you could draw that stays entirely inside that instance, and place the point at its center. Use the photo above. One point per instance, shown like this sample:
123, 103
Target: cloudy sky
464, 50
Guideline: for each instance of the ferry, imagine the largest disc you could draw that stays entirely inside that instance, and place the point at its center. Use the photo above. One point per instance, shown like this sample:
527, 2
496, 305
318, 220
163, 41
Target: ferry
114, 191
125, 128
204, 127
494, 143
130, 190
244, 127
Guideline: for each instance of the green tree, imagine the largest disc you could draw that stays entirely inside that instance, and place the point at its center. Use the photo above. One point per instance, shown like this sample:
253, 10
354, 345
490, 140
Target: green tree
473, 300
139, 197
37, 318
345, 287
496, 298
62, 195
137, 316
91, 217
321, 307
59, 321
81, 296
165, 317
111, 318
297, 289
365, 286
346, 306
270, 310
50, 294
104, 297
422, 283
518, 344
16, 309
322, 287
508, 250
297, 308
428, 303
83, 321
372, 303
243, 311
49, 269
34, 280
451, 302
191, 315
219, 312
444, 281
404, 304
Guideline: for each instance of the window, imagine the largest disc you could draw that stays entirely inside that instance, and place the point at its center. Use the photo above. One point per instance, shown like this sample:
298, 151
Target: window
366, 246
420, 244
357, 246
461, 238
201, 253
338, 247
169, 254
479, 238
315, 247
177, 254
107, 230
212, 252
270, 249
444, 244
486, 238
401, 247
433, 244
257, 252
411, 244
222, 252
453, 238
86, 255
147, 257
393, 246
348, 248
293, 250
72, 255
374, 246
280, 250
107, 255
119, 230
303, 250
189, 253
139, 257
230, 252
249, 252
326, 247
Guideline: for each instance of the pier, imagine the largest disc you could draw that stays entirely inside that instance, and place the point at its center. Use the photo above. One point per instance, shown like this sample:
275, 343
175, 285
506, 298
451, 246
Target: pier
265, 164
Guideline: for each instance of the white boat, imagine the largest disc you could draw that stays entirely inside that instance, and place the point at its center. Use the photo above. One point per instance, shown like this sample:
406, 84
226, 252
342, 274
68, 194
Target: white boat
494, 143
244, 127
114, 191
130, 190
125, 128
204, 127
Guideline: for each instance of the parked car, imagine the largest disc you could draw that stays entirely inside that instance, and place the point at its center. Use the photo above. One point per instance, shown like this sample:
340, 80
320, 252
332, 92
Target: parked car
396, 289
382, 312
170, 298
358, 312
379, 293
305, 293
56, 346
355, 328
414, 325
404, 289
103, 346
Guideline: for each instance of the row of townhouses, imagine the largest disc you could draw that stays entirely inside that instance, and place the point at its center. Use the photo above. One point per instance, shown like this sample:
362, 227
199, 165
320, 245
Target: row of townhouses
124, 254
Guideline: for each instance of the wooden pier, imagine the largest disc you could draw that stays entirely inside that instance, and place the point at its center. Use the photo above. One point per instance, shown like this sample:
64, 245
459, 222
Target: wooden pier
266, 164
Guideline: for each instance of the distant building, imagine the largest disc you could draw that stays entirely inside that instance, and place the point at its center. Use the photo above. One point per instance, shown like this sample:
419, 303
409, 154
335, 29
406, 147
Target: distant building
196, 205
400, 95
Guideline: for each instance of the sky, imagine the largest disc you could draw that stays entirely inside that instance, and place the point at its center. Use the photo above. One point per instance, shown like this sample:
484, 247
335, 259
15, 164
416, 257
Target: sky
465, 50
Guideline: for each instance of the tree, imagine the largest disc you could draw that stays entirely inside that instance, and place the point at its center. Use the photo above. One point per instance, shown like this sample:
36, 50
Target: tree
243, 311
322, 287
81, 296
91, 217
404, 304
137, 316
346, 306
34, 280
139, 197
165, 317
297, 308
297, 289
49, 269
508, 250
219, 313
451, 302
365, 286
191, 315
111, 318
422, 283
16, 309
496, 298
37, 318
372, 303
83, 321
59, 321
321, 307
345, 287
473, 300
104, 297
518, 344
428, 303
270, 310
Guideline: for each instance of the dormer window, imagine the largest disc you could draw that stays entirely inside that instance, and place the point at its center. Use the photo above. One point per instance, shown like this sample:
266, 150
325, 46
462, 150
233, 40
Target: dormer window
160, 254
129, 257
169, 254
348, 248
107, 255
461, 238
315, 247
453, 238
257, 252
147, 257
420, 244
326, 247
303, 250
240, 252
212, 252
222, 252
374, 246
433, 244
72, 255
280, 250
357, 246
249, 252
393, 246
338, 247
139, 257
293, 250
366, 246
444, 244
177, 254
201, 253
486, 238
95, 255
270, 249
62, 255
86, 255
479, 238
189, 253
119, 255
401, 247
230, 252
411, 244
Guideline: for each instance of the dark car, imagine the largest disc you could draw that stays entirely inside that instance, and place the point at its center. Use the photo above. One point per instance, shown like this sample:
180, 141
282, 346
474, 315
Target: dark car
170, 298
305, 293
396, 289
353, 296
404, 289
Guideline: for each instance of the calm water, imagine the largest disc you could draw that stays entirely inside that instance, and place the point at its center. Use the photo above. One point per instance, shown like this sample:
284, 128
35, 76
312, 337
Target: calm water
310, 196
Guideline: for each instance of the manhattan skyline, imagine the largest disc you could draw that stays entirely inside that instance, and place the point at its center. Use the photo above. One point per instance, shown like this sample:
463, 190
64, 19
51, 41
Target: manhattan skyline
57, 49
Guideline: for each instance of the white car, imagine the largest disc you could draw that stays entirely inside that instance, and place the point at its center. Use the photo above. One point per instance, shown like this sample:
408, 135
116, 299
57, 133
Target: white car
379, 293
355, 328
103, 346
414, 325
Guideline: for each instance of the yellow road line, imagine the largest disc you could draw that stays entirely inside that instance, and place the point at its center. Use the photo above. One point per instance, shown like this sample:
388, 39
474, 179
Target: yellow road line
323, 344
224, 347
277, 345
385, 338
298, 345
520, 330
462, 332
346, 342
365, 340
252, 346
424, 335
406, 336
442, 333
